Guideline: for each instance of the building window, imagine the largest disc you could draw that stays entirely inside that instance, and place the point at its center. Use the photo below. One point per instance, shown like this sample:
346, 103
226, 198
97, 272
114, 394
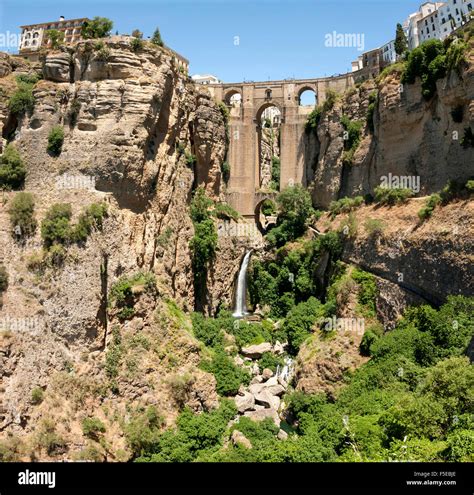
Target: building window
35, 35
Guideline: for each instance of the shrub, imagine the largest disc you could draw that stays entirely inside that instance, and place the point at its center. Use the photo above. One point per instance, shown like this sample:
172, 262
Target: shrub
99, 27
431, 61
368, 339
374, 226
31, 78
22, 101
228, 376
299, 322
276, 173
225, 211
136, 44
371, 110
91, 218
74, 110
12, 169
92, 427
426, 212
200, 206
270, 361
122, 293
114, 355
203, 245
352, 137
47, 437
55, 256
398, 68
55, 228
367, 290
294, 211
22, 218
331, 98
470, 186
208, 331
56, 37
37, 395
156, 38
143, 430
225, 171
391, 196
55, 140
268, 208
345, 205
313, 120
3, 279
456, 56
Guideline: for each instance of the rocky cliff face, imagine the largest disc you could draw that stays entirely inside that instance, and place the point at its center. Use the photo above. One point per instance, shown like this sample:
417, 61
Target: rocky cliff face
131, 121
410, 137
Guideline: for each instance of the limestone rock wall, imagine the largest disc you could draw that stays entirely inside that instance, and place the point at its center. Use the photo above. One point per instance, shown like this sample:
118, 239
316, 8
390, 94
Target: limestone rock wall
131, 120
411, 137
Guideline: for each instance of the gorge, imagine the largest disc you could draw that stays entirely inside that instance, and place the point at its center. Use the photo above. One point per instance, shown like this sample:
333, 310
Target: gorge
155, 332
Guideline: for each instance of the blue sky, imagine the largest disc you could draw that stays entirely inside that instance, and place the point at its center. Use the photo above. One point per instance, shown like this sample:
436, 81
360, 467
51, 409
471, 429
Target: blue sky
277, 39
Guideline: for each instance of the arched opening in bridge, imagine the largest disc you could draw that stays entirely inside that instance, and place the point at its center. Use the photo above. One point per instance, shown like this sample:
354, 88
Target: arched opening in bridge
268, 129
307, 98
233, 98
266, 214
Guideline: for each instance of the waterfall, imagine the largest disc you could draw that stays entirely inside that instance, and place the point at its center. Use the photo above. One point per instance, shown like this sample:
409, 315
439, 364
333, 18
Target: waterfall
241, 298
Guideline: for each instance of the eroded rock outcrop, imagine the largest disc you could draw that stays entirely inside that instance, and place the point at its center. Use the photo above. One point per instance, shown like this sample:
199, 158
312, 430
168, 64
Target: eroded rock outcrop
410, 137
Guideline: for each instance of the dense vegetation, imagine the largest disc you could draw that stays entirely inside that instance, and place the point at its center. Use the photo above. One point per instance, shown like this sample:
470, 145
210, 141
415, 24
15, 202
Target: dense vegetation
432, 60
412, 401
12, 169
203, 245
99, 27
294, 211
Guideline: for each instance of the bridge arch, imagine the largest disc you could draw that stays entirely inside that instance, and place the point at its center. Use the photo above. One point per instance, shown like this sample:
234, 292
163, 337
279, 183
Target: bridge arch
306, 89
262, 220
264, 106
230, 95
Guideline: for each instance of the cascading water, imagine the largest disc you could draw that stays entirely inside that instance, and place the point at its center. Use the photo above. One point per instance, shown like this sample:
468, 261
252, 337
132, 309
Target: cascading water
241, 297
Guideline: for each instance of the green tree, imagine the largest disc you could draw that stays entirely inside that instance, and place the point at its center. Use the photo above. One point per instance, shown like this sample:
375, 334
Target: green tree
56, 37
294, 210
55, 228
3, 279
21, 212
401, 44
55, 140
156, 38
300, 321
99, 27
12, 169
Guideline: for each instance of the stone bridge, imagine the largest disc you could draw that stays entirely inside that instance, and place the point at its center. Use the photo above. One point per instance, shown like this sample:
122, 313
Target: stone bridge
244, 150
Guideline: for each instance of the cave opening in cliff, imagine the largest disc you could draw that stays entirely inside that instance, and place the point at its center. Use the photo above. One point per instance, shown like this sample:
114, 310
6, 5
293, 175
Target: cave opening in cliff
269, 127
